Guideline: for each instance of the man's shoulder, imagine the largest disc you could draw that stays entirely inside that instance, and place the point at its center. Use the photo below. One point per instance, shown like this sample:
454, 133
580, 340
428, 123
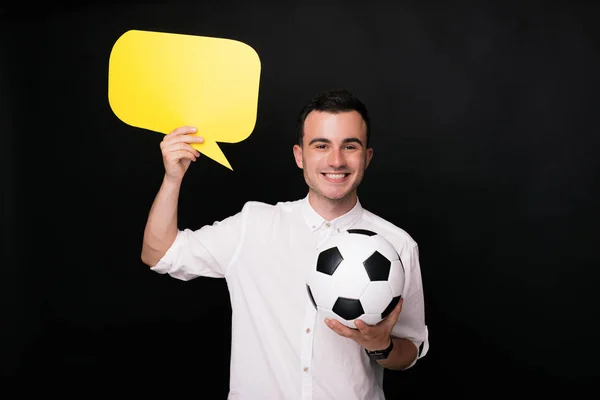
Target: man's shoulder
394, 233
265, 208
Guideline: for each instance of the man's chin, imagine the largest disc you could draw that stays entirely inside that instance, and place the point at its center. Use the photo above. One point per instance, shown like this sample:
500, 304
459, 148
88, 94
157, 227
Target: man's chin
338, 197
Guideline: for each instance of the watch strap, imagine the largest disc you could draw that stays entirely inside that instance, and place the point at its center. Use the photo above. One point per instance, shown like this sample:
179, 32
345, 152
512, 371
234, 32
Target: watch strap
381, 354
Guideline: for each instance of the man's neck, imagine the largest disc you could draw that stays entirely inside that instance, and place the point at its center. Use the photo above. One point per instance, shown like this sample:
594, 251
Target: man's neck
331, 209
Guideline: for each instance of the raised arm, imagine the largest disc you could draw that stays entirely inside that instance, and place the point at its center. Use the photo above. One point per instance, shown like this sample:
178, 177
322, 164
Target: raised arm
161, 226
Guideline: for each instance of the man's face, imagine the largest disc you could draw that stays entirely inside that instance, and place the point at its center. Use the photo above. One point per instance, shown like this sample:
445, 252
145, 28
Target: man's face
334, 155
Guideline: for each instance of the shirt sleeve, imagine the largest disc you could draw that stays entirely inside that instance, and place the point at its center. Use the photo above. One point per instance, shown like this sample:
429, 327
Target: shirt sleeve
411, 322
206, 252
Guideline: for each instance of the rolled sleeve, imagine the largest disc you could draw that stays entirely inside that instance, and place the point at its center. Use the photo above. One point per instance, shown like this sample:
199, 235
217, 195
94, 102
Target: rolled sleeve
206, 252
187, 260
411, 321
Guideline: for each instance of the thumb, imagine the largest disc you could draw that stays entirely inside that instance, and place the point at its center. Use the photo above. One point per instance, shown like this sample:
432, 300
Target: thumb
393, 317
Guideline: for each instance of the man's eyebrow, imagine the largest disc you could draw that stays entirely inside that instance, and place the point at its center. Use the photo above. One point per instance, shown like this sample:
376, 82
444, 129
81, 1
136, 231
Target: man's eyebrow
347, 140
353, 140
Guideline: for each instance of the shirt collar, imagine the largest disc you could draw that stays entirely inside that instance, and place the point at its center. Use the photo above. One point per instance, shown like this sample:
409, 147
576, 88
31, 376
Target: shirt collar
343, 222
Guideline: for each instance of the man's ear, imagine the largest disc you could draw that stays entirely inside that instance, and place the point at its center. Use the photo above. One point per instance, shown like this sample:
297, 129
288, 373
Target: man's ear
369, 157
298, 155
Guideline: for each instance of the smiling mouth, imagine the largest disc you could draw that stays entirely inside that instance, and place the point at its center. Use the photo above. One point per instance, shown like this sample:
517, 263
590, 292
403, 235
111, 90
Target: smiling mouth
338, 176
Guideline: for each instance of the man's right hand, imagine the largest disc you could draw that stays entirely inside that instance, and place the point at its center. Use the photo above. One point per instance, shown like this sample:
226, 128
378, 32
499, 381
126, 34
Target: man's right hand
178, 153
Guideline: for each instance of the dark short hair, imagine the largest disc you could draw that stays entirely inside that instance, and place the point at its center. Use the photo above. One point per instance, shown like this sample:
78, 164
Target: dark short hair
333, 101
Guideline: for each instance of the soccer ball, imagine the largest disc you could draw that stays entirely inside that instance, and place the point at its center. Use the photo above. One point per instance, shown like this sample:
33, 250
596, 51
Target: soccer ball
357, 274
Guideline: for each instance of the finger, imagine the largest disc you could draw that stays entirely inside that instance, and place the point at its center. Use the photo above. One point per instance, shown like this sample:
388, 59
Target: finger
186, 134
364, 328
180, 146
398, 309
168, 140
186, 139
392, 318
340, 328
182, 130
176, 156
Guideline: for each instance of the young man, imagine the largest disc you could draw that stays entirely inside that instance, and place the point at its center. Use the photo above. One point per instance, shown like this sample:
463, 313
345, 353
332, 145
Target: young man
280, 348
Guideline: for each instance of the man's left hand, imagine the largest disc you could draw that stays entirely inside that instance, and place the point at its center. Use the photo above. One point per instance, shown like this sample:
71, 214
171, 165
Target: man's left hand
370, 337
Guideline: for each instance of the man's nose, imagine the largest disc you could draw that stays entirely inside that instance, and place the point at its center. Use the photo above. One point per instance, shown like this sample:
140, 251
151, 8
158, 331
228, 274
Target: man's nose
336, 158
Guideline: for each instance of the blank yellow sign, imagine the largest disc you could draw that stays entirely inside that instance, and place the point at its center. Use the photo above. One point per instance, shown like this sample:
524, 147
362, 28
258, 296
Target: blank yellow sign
160, 81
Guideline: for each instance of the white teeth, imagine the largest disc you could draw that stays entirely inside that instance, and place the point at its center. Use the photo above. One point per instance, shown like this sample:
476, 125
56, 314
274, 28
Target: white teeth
335, 176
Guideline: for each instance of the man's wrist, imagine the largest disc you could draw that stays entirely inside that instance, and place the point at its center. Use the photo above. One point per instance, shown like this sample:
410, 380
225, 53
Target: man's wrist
172, 182
381, 354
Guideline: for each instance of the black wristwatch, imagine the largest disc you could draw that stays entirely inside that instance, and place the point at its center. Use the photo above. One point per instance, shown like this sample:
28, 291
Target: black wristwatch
381, 354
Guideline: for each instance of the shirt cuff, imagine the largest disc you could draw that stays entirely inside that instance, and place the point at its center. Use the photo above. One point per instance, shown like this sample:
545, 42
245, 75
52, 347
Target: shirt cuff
164, 264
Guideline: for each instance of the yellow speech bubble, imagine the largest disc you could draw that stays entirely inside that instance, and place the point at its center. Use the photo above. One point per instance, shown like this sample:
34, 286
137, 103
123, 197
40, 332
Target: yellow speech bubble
160, 81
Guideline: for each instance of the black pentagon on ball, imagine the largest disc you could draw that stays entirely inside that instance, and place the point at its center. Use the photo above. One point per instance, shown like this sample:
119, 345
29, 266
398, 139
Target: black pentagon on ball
348, 309
362, 232
390, 307
310, 295
329, 260
377, 267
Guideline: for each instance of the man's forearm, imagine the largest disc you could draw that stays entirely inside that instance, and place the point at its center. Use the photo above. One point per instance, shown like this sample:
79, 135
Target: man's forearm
161, 228
402, 355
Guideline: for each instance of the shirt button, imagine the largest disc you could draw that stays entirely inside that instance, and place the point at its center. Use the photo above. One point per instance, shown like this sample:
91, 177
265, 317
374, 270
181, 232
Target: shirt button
305, 369
327, 224
307, 330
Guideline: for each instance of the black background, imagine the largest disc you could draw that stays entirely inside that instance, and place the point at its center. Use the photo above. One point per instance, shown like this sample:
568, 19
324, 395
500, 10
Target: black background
485, 131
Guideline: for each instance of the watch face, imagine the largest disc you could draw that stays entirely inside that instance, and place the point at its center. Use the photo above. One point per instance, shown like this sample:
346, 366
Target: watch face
377, 355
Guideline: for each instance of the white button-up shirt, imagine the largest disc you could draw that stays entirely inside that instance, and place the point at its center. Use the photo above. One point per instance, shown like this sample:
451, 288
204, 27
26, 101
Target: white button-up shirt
281, 348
